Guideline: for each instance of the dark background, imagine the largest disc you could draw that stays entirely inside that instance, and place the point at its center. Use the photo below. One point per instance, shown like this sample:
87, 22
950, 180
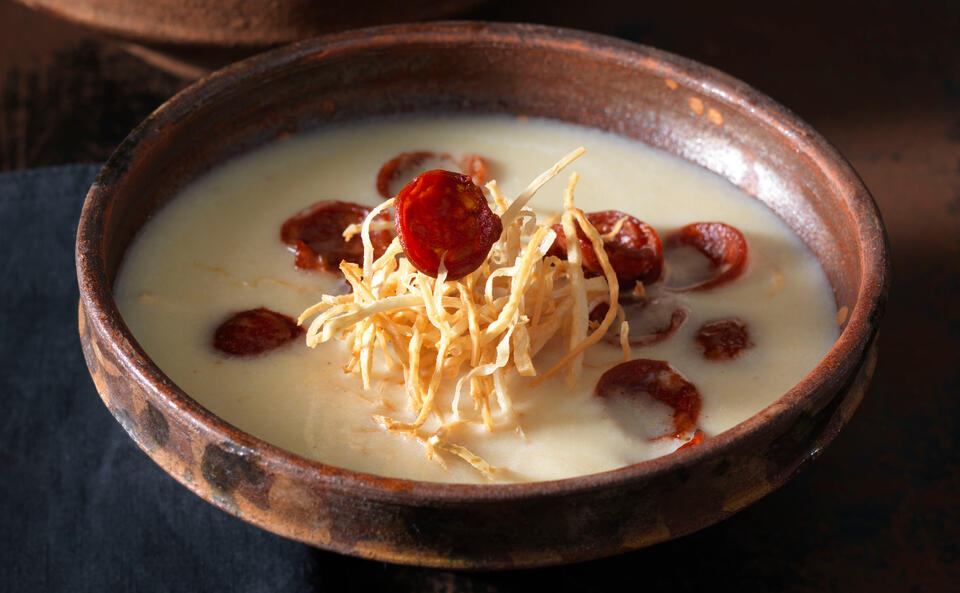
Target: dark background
84, 509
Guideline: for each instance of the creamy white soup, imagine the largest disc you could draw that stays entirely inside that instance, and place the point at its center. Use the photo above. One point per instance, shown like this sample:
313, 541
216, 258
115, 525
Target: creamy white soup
216, 250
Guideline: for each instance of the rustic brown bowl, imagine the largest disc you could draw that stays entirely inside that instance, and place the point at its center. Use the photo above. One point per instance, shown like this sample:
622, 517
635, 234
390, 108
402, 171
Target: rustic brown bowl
669, 102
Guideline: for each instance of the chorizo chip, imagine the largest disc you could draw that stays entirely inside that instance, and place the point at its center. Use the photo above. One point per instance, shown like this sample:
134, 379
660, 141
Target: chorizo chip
724, 339
405, 165
316, 235
442, 216
255, 331
722, 244
659, 380
635, 250
651, 321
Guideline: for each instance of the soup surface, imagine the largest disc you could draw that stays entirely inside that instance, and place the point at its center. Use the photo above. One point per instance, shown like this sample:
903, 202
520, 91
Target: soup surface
216, 250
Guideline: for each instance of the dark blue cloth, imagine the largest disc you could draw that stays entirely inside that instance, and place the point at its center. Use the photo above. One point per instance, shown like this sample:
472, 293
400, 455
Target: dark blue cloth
81, 507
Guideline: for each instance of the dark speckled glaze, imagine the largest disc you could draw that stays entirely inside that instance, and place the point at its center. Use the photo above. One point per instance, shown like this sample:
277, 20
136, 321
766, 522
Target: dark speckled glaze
669, 102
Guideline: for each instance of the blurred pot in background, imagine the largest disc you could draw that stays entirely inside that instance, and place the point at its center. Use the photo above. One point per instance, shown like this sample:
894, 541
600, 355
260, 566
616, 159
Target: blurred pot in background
192, 37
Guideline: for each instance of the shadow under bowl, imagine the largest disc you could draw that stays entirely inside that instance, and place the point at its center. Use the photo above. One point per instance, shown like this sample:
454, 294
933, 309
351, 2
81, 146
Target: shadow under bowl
671, 103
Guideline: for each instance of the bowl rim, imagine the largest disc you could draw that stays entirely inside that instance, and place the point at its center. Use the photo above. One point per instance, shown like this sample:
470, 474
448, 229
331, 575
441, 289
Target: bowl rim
860, 328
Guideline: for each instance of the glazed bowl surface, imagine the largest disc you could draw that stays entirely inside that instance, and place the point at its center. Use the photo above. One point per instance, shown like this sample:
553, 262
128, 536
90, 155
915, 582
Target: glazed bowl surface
666, 101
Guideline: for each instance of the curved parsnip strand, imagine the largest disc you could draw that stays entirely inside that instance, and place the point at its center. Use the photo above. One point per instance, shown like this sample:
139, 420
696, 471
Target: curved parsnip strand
353, 230
499, 200
502, 357
434, 442
365, 236
521, 200
579, 316
597, 242
521, 277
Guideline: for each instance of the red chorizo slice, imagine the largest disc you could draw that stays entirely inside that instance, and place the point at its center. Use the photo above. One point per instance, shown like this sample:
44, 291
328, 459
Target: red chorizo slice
635, 252
659, 380
255, 331
442, 215
724, 339
651, 321
722, 244
404, 166
316, 235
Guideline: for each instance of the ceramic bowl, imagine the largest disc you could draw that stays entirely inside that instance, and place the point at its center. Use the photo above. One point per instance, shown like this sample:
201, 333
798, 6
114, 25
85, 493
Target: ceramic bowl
669, 102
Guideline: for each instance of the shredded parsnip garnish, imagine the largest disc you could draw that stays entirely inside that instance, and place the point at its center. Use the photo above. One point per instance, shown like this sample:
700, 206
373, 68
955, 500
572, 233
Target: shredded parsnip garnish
470, 334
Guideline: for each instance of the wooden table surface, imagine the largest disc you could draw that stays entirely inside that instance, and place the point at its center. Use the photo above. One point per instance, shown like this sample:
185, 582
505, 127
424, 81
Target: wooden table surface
879, 510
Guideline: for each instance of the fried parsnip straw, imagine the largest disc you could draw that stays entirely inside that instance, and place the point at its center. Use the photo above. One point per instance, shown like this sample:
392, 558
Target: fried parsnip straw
470, 334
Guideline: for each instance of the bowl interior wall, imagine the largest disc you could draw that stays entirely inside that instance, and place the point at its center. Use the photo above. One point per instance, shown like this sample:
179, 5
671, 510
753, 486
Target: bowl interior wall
610, 92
